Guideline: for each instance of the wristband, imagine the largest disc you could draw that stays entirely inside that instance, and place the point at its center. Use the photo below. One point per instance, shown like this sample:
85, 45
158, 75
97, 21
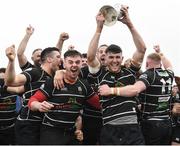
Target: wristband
118, 91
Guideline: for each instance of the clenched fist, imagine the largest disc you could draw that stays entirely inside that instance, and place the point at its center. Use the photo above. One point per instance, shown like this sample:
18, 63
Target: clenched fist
10, 53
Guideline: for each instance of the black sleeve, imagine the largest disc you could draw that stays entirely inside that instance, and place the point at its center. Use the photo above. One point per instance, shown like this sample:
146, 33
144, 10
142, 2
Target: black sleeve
1, 82
88, 90
133, 69
32, 74
26, 66
101, 72
84, 72
171, 74
47, 87
2, 87
147, 77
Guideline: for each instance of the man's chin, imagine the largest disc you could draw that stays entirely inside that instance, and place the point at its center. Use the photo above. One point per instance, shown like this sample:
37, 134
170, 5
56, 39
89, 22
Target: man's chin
74, 75
37, 64
115, 70
103, 62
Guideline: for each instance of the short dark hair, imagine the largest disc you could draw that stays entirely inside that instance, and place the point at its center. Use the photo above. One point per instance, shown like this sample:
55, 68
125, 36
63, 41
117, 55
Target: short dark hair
2, 70
113, 49
84, 55
47, 52
72, 53
38, 49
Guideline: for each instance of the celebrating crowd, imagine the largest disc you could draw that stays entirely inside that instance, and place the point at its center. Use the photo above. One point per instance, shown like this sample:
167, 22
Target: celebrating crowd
91, 98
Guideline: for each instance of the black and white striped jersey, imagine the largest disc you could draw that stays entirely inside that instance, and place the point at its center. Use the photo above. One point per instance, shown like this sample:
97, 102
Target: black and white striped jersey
7, 107
28, 65
89, 110
67, 101
35, 78
117, 110
155, 100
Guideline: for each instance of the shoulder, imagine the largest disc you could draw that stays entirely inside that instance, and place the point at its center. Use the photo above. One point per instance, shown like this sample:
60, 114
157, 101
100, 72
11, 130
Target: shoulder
132, 69
82, 81
148, 73
33, 74
26, 66
84, 72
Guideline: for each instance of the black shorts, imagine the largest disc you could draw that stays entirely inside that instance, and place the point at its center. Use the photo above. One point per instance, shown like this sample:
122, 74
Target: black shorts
57, 136
157, 132
91, 130
27, 132
129, 134
7, 136
176, 134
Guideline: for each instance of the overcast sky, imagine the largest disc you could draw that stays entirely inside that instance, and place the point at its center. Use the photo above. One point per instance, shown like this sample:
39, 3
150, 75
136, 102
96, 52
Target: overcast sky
158, 22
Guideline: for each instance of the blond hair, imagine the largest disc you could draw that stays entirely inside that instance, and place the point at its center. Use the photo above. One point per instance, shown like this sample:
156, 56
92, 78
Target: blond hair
155, 57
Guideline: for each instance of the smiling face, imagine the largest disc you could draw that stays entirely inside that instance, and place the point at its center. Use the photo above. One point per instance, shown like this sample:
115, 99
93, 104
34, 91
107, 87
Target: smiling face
114, 61
72, 65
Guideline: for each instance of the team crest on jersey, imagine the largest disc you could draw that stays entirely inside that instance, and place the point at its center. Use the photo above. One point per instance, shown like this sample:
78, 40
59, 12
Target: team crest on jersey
119, 84
72, 100
79, 89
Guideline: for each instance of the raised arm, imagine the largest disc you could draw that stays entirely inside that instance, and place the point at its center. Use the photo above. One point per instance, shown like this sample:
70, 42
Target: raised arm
22, 59
91, 54
11, 79
63, 36
138, 55
165, 61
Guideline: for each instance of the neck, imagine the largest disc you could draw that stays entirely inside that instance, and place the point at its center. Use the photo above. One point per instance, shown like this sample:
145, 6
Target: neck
47, 70
150, 67
112, 71
69, 80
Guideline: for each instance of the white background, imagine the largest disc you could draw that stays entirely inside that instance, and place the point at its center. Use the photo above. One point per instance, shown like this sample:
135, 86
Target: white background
158, 22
